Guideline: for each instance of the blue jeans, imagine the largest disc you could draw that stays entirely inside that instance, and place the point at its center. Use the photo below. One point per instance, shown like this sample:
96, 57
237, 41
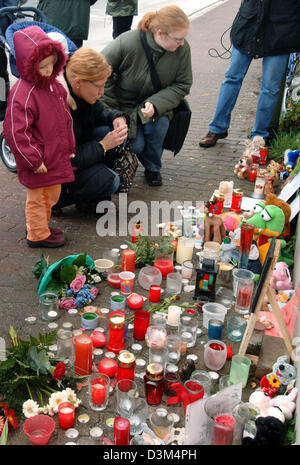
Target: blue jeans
273, 68
148, 144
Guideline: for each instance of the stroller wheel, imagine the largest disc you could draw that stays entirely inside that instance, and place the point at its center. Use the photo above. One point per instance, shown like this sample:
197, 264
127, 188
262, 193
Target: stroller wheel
7, 156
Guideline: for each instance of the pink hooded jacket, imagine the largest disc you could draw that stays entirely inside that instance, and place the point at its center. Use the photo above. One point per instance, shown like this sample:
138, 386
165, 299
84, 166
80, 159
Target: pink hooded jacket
38, 126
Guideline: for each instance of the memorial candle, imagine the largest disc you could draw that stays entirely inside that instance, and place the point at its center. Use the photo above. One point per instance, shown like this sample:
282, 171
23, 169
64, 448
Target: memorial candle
154, 293
164, 265
98, 391
66, 415
83, 354
128, 260
247, 231
223, 430
121, 431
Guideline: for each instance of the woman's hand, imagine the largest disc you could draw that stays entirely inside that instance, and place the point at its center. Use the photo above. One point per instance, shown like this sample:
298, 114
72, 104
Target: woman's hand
120, 121
41, 169
148, 110
115, 137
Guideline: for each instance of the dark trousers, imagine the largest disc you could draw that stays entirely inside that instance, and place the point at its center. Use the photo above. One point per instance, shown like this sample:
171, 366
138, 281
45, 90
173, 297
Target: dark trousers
121, 24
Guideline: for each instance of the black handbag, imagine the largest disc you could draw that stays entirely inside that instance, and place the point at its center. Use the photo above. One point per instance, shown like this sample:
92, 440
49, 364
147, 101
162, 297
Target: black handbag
180, 122
125, 165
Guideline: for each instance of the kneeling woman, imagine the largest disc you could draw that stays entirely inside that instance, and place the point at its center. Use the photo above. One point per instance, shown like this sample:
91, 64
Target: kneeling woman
86, 74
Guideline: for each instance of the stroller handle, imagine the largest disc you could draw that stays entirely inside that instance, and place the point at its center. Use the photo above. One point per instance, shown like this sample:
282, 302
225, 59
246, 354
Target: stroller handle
18, 9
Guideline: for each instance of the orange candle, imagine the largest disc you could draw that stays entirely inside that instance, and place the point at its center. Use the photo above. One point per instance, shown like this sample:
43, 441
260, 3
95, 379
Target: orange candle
83, 354
128, 260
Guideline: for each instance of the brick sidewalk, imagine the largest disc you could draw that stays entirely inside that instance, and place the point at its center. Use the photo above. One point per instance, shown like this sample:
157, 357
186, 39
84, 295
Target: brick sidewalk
192, 175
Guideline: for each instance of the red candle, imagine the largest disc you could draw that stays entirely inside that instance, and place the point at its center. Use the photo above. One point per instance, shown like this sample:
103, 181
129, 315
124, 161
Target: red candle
165, 266
116, 332
135, 301
126, 366
154, 293
247, 231
83, 354
113, 280
108, 366
98, 338
121, 431
236, 201
128, 260
193, 386
223, 430
137, 229
263, 152
252, 174
140, 324
244, 297
66, 415
98, 386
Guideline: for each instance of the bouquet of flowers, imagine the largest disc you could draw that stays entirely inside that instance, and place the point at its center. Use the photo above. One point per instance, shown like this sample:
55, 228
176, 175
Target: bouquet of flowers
29, 371
73, 279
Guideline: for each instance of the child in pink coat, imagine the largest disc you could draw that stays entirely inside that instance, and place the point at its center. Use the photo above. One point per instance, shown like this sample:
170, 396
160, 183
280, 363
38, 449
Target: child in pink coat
38, 128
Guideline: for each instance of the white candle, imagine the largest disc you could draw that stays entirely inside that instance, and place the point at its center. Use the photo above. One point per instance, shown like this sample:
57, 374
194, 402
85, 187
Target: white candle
185, 248
174, 312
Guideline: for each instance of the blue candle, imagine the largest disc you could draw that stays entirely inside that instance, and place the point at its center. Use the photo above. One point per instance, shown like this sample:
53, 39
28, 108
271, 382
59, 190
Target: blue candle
215, 329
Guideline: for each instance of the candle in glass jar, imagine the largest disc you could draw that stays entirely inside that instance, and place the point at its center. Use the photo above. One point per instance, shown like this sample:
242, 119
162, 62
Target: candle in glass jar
83, 354
164, 265
121, 431
126, 366
154, 293
244, 296
128, 260
116, 334
223, 430
66, 415
174, 312
98, 391
236, 202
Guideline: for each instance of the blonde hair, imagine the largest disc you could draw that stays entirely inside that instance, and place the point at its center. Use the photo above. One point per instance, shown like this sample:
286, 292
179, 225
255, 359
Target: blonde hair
166, 19
87, 64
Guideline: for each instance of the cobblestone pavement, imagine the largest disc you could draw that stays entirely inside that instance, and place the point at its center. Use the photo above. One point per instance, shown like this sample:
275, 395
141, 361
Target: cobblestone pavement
192, 175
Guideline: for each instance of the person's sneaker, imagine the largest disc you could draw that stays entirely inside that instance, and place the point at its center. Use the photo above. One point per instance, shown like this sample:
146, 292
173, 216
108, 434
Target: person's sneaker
51, 241
55, 231
211, 139
153, 178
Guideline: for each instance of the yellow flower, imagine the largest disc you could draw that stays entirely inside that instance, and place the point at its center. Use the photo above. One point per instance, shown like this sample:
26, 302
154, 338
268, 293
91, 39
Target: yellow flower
274, 381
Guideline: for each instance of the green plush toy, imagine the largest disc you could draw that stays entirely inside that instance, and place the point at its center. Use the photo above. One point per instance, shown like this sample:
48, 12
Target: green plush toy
269, 221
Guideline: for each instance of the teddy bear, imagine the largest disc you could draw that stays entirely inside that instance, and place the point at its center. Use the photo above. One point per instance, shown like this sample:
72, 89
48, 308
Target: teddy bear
281, 278
243, 167
253, 146
226, 188
274, 169
281, 379
280, 407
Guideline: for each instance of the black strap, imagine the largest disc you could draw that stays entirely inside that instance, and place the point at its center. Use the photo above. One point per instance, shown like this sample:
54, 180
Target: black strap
154, 76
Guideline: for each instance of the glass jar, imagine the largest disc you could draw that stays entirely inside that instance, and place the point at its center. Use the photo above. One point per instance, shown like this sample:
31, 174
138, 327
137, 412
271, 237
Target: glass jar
65, 346
49, 306
154, 383
171, 376
164, 263
126, 366
188, 323
236, 201
217, 204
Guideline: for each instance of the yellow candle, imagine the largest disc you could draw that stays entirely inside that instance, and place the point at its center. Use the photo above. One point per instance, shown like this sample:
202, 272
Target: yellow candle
185, 248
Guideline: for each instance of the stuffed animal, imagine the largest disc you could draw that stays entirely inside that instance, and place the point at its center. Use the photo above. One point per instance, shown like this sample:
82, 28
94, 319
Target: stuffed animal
274, 169
226, 188
269, 432
253, 146
281, 407
214, 229
281, 278
290, 159
243, 167
281, 379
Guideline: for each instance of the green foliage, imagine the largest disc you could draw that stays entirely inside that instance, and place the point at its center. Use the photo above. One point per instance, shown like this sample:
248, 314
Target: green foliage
27, 371
282, 142
290, 434
291, 246
290, 120
3, 437
145, 249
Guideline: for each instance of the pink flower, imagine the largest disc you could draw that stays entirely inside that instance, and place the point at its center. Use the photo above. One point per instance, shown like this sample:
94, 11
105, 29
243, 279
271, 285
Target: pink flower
94, 291
78, 282
66, 304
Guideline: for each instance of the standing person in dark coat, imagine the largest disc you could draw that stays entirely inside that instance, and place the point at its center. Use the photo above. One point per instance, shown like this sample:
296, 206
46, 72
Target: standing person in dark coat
86, 74
122, 12
72, 17
267, 29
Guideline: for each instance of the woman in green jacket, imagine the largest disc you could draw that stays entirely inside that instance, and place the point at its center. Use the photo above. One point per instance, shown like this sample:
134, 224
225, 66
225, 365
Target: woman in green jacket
130, 88
72, 17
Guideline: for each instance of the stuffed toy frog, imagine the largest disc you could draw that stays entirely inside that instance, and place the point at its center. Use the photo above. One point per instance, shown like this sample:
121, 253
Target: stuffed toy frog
269, 222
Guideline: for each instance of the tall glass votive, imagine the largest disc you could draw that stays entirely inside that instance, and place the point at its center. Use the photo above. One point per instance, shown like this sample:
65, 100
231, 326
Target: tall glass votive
98, 391
215, 328
116, 332
239, 274
126, 390
188, 323
158, 355
83, 354
236, 326
187, 269
65, 346
247, 231
49, 306
138, 416
244, 295
239, 370
174, 283
165, 263
185, 249
121, 431
154, 293
204, 379
141, 323
66, 415
171, 376
173, 349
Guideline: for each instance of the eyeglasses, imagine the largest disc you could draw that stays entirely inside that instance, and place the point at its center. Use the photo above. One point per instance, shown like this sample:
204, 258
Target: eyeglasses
95, 85
177, 41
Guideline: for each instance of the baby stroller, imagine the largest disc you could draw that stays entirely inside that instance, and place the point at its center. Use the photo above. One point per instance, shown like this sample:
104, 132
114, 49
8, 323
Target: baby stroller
19, 15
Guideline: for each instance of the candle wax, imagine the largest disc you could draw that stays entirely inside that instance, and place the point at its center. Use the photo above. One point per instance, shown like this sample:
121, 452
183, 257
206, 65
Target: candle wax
165, 266
98, 392
83, 354
66, 415
128, 260
121, 431
223, 430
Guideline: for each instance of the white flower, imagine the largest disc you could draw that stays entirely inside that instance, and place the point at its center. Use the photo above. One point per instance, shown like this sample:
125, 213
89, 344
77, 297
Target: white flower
50, 411
44, 410
70, 395
30, 408
55, 399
